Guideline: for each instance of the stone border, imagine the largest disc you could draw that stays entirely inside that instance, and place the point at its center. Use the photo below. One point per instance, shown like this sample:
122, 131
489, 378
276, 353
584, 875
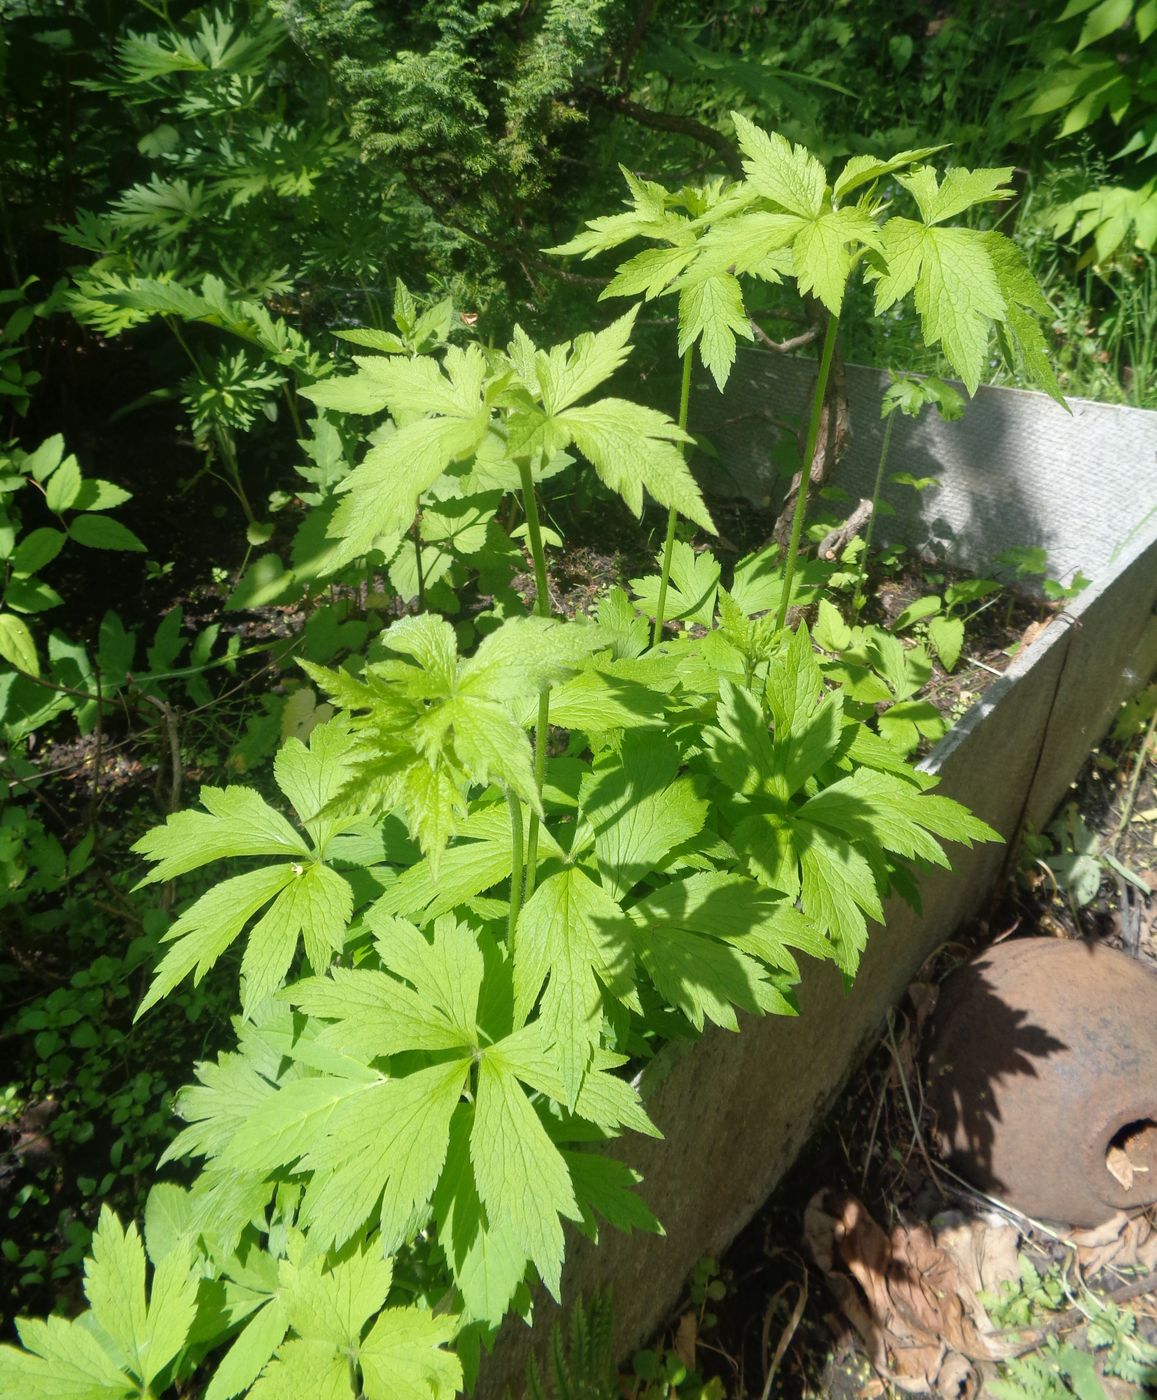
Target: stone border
737, 1109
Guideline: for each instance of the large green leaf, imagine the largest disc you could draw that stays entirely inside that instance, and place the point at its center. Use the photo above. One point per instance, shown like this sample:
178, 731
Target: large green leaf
382, 1152
522, 1179
640, 810
957, 292
570, 936
236, 822
125, 1335
633, 449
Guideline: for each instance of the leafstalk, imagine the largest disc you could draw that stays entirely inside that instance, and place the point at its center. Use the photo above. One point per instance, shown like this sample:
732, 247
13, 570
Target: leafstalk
516, 844
418, 562
813, 433
542, 607
857, 592
669, 542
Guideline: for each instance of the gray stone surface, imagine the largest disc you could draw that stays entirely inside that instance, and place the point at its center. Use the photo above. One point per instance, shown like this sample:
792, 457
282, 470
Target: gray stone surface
737, 1109
1015, 470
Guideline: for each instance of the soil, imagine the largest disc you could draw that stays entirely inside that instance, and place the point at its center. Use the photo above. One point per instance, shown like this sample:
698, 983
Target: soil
777, 1303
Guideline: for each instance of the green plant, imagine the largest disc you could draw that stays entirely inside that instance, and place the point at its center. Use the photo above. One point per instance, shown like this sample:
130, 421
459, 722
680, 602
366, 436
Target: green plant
1030, 565
1089, 64
786, 219
517, 865
909, 396
583, 1369
1077, 858
1062, 1368
77, 504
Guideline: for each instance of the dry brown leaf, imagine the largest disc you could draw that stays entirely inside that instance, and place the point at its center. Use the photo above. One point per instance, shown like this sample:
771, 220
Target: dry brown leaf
1126, 1243
1119, 1165
987, 1255
915, 1322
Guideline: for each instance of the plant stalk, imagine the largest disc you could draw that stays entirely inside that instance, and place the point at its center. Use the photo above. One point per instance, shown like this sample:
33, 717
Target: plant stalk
669, 542
542, 608
516, 848
813, 433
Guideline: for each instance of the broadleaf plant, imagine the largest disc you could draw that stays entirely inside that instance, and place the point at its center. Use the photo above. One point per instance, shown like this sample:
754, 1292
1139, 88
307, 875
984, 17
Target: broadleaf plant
502, 873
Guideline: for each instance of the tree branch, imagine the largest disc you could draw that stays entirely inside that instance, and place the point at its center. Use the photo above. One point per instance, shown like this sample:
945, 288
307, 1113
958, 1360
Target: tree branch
635, 41
727, 151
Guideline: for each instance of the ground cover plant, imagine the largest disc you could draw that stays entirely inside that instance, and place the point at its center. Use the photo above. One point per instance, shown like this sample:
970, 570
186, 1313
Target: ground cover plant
523, 849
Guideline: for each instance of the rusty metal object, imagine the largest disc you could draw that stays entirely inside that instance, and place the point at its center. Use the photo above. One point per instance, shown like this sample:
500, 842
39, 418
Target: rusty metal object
1042, 1072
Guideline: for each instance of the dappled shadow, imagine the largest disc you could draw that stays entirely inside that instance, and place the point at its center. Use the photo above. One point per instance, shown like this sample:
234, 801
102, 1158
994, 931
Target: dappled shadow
983, 1051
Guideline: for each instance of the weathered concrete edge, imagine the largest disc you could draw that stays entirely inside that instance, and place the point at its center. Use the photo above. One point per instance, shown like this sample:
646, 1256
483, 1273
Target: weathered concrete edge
737, 1109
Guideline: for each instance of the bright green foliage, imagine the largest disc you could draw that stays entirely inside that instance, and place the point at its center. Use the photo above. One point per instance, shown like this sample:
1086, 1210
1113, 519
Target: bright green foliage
435, 723
310, 899
125, 1342
1090, 68
56, 476
512, 860
504, 408
332, 1354
691, 591
785, 219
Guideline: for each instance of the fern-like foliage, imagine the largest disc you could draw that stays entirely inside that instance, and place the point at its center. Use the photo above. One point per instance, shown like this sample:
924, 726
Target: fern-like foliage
581, 1367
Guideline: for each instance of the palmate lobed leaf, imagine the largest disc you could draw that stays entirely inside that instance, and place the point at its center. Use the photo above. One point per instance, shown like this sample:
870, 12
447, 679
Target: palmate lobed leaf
633, 449
402, 1356
957, 292
381, 495
130, 1342
712, 314
568, 372
487, 1262
237, 822
789, 176
211, 924
639, 810
352, 1179
650, 272
570, 936
522, 1179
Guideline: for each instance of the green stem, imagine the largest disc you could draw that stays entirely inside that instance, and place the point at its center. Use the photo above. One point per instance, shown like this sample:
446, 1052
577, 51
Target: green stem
291, 403
542, 608
669, 542
516, 847
226, 449
418, 563
857, 592
534, 529
541, 736
813, 433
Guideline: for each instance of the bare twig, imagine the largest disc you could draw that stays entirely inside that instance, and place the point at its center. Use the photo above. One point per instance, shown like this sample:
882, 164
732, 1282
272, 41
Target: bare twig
836, 540
783, 347
785, 1336
176, 774
917, 1130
